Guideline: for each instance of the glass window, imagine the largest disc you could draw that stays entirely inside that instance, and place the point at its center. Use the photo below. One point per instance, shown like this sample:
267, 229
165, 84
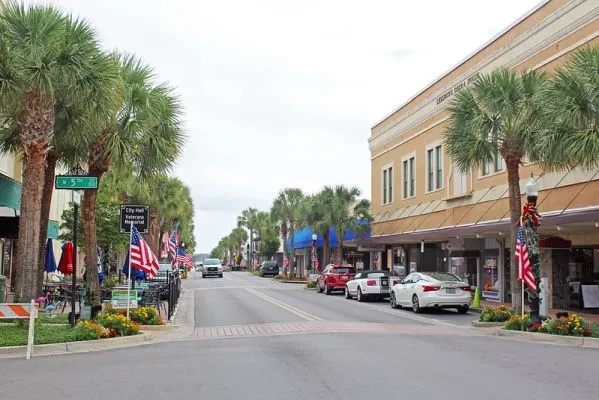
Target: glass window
405, 179
486, 169
377, 274
412, 176
439, 162
385, 186
431, 170
441, 276
343, 270
498, 162
390, 176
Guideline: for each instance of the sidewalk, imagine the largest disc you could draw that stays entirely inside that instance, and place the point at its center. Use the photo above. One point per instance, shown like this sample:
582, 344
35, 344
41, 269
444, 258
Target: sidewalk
552, 312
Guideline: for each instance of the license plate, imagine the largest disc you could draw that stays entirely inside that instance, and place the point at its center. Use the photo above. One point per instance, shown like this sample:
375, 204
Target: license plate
450, 290
384, 290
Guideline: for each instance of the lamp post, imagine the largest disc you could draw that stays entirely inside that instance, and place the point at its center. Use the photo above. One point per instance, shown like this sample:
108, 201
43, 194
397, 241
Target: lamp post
531, 222
314, 252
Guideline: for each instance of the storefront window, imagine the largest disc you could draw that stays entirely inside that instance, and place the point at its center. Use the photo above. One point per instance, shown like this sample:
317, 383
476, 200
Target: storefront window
491, 279
399, 261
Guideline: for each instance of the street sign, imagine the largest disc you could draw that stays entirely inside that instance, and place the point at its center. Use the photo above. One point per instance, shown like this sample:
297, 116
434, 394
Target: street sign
139, 215
119, 298
76, 197
76, 182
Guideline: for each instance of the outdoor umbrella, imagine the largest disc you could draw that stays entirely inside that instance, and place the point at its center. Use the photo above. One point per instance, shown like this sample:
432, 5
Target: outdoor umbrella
65, 265
50, 262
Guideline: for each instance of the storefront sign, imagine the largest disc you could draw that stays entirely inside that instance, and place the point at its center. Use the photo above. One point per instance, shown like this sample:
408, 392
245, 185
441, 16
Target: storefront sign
491, 295
138, 215
371, 247
119, 299
456, 88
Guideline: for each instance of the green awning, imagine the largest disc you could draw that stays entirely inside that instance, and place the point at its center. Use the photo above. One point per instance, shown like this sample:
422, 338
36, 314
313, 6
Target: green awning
53, 230
10, 193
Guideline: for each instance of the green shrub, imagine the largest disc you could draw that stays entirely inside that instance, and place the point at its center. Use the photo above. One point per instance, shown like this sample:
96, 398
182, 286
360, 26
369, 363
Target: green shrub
496, 314
517, 322
118, 322
311, 284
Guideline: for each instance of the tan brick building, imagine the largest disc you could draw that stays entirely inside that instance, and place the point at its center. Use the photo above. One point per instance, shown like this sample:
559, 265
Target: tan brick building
430, 216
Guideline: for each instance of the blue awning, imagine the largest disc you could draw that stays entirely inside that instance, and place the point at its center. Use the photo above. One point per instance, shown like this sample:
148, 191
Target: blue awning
303, 238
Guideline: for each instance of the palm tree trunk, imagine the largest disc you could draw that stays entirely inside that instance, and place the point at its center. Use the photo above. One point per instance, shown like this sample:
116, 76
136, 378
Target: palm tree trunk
339, 249
326, 248
154, 236
51, 159
284, 237
89, 230
292, 245
513, 177
26, 285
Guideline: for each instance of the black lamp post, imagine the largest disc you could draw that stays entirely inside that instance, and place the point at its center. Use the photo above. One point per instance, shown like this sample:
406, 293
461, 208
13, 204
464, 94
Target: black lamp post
315, 257
532, 238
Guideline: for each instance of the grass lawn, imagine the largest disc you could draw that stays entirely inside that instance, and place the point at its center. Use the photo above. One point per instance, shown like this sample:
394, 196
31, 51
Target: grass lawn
594, 329
13, 335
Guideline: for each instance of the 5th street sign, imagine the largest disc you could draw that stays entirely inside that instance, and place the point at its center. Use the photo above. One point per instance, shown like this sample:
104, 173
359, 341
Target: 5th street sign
76, 182
138, 214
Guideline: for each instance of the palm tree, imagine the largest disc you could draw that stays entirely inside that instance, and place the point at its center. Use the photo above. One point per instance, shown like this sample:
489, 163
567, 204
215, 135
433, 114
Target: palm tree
286, 209
143, 131
248, 220
500, 115
45, 55
572, 138
314, 215
344, 212
238, 237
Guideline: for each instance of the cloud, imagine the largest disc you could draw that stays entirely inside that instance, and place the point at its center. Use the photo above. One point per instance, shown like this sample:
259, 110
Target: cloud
283, 93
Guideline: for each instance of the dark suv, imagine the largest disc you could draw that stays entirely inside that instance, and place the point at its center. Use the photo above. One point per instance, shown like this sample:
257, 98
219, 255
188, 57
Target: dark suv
269, 268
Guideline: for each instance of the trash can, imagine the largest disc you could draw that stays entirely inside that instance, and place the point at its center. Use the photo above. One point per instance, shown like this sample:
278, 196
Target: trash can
2, 285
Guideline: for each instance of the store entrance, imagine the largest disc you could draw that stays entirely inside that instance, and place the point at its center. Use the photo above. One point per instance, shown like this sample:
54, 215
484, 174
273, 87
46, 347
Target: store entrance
465, 264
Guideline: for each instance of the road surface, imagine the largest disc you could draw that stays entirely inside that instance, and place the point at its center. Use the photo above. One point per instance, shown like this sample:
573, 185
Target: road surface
249, 338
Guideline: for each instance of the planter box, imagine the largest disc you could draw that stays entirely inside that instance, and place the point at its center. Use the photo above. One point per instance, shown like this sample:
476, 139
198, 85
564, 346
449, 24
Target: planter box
547, 338
481, 324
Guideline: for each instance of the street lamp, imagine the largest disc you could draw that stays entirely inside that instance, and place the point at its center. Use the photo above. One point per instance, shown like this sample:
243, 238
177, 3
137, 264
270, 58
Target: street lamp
531, 222
314, 252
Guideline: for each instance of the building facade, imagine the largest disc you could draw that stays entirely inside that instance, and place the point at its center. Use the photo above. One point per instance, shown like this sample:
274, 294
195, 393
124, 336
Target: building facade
432, 217
10, 202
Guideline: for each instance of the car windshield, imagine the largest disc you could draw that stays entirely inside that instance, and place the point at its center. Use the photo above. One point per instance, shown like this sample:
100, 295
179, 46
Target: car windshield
440, 276
212, 262
377, 274
270, 263
343, 270
165, 267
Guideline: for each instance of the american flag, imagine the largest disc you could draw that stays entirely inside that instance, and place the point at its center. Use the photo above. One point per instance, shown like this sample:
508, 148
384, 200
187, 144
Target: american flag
524, 270
142, 257
173, 242
314, 258
185, 259
285, 262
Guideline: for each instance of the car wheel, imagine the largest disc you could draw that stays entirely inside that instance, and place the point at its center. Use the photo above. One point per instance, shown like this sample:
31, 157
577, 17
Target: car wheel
319, 289
415, 304
392, 301
347, 294
360, 296
203, 276
463, 309
220, 276
327, 289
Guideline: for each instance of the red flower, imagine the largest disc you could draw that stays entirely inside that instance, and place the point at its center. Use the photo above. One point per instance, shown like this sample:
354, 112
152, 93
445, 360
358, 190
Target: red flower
587, 332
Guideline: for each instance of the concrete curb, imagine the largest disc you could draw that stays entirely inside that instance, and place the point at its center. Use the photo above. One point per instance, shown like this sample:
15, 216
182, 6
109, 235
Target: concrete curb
476, 310
295, 282
480, 324
76, 347
556, 339
161, 328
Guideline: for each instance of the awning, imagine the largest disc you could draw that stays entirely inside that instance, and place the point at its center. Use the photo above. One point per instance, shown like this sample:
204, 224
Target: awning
303, 238
10, 193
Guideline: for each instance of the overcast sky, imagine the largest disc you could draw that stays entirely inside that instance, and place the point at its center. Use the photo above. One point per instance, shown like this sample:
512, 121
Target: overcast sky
283, 93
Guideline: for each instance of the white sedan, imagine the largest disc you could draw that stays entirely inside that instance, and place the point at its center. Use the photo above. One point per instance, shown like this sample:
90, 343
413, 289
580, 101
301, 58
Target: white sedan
368, 284
437, 290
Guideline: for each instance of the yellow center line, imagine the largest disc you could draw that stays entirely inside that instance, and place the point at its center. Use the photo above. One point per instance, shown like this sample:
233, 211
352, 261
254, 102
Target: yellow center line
285, 306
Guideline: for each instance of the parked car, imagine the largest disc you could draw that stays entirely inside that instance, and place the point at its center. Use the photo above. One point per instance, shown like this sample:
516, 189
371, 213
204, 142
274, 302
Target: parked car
369, 284
212, 267
269, 268
421, 290
164, 270
334, 277
199, 266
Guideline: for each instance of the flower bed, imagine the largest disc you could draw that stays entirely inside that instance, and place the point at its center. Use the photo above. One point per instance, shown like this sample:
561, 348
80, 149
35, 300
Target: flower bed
573, 325
143, 315
311, 285
496, 314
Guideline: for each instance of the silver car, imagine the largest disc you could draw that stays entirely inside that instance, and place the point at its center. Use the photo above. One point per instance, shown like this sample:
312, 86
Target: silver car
212, 267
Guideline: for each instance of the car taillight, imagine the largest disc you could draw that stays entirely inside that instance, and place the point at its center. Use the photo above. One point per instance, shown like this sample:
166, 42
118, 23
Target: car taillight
371, 283
395, 283
466, 288
428, 288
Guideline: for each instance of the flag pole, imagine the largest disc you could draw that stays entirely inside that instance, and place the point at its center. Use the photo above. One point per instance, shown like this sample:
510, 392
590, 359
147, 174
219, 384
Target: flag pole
129, 270
521, 272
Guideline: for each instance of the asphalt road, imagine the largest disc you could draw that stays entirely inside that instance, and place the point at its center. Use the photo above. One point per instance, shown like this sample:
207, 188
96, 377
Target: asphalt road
253, 338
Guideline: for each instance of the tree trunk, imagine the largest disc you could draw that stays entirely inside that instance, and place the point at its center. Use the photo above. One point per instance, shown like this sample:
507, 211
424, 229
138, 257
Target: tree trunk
36, 129
154, 235
89, 229
292, 247
513, 177
51, 159
26, 285
326, 248
339, 249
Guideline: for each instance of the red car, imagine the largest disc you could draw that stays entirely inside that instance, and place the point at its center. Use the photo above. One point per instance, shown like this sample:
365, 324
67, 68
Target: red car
334, 277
